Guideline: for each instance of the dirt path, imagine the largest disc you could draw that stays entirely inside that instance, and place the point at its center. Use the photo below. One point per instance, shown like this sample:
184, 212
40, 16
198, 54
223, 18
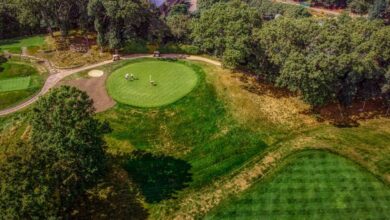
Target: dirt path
56, 75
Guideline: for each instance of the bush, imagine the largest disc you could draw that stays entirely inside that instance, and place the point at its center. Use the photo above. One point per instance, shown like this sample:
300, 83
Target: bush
179, 48
135, 46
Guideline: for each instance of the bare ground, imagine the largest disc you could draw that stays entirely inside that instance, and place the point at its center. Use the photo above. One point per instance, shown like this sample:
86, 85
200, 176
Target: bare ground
96, 89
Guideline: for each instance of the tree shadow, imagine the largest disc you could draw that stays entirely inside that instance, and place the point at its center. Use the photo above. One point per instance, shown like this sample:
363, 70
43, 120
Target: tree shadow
113, 197
158, 177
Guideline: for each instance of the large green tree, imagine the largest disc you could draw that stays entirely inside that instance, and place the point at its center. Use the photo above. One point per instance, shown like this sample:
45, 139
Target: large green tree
63, 157
117, 21
225, 30
380, 9
333, 60
51, 13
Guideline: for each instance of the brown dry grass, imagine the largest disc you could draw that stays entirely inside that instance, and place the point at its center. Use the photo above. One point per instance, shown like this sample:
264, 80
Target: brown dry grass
258, 110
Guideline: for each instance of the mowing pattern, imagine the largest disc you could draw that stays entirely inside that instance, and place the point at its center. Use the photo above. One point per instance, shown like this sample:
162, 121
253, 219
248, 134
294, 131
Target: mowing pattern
174, 81
14, 45
15, 84
315, 185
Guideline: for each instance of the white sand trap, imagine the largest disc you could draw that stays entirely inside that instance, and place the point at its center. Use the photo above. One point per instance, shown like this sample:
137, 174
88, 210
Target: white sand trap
95, 73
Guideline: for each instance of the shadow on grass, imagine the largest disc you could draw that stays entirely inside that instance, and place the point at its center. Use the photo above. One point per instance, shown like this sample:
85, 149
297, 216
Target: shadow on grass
158, 177
113, 197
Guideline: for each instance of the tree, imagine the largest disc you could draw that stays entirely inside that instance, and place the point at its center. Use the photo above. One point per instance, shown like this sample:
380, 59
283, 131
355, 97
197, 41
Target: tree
207, 4
380, 9
386, 91
225, 30
65, 156
179, 9
269, 9
338, 60
179, 26
117, 21
58, 13
360, 6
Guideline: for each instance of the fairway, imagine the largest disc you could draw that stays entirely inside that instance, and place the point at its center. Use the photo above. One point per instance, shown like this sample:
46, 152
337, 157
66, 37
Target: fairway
18, 81
15, 84
313, 185
15, 45
174, 80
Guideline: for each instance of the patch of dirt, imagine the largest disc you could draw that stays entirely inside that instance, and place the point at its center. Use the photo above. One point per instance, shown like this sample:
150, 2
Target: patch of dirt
350, 115
96, 89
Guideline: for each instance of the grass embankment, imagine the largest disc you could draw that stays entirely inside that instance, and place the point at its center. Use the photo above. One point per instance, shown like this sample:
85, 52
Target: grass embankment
311, 185
197, 130
18, 82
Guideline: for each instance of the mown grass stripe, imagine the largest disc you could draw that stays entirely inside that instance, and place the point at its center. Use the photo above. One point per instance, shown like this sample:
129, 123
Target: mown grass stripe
15, 84
349, 194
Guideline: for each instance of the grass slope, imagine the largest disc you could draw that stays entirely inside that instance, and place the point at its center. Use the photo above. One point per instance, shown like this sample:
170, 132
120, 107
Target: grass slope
312, 185
174, 80
196, 130
15, 45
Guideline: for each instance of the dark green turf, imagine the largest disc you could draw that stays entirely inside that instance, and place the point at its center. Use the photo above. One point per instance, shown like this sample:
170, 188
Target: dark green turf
312, 185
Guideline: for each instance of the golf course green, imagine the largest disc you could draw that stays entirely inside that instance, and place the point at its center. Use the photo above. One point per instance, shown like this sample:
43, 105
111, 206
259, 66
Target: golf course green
155, 83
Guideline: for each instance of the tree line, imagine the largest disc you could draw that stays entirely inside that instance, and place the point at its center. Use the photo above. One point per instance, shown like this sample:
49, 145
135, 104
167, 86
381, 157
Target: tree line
325, 60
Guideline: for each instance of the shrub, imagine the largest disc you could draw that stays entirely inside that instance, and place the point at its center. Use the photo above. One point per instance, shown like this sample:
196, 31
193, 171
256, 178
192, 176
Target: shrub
135, 46
179, 48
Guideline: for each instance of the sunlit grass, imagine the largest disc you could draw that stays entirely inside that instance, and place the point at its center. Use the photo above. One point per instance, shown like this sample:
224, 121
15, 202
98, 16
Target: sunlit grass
312, 185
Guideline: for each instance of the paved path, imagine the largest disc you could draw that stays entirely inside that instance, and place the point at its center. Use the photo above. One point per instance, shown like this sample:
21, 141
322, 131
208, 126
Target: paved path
57, 75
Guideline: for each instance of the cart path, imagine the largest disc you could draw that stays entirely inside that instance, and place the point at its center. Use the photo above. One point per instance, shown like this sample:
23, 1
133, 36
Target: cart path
56, 75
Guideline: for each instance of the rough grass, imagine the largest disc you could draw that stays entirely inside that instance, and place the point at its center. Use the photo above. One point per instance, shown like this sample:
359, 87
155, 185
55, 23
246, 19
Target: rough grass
15, 45
174, 80
312, 185
70, 59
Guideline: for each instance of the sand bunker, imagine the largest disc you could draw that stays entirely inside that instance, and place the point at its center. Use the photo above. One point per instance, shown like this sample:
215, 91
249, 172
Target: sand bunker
95, 73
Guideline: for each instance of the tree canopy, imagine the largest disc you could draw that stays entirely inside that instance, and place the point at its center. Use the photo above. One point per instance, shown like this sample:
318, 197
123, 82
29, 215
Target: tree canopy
64, 155
225, 30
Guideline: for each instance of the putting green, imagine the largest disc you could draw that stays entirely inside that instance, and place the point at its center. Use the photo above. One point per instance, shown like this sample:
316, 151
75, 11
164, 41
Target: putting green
174, 80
